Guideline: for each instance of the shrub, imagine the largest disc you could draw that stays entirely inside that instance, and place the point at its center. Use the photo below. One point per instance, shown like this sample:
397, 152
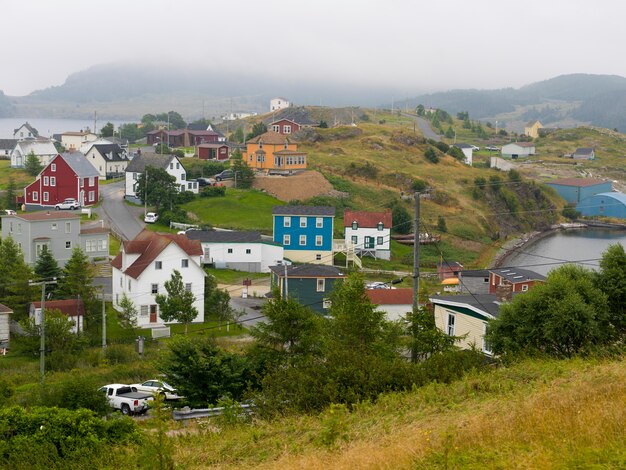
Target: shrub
118, 354
213, 191
570, 212
175, 215
456, 153
184, 197
431, 155
442, 146
419, 185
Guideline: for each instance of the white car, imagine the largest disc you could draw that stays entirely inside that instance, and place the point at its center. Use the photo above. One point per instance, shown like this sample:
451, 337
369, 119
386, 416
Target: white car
10, 212
71, 204
475, 149
151, 217
378, 285
156, 387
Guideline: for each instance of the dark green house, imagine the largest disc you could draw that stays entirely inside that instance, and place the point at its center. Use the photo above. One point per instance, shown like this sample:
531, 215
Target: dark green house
309, 284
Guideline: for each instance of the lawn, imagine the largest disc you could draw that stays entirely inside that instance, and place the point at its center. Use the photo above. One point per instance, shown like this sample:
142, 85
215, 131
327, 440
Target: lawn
232, 277
20, 177
239, 209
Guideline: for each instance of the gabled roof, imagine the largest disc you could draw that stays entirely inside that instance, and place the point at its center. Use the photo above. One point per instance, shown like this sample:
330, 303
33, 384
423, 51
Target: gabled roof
212, 145
483, 304
149, 245
140, 162
77, 134
32, 130
70, 307
270, 138
449, 265
474, 273
390, 296
8, 143
299, 115
583, 151
45, 215
220, 236
578, 182
367, 219
38, 147
79, 163
111, 152
516, 275
304, 210
5, 309
307, 270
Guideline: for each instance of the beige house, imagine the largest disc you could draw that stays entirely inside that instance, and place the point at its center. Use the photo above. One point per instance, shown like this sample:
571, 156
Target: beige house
73, 141
5, 318
532, 129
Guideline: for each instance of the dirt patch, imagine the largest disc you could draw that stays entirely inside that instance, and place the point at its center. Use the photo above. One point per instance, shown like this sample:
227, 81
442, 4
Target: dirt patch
301, 187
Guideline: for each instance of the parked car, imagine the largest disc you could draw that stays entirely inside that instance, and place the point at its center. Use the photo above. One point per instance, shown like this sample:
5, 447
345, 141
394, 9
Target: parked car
121, 397
10, 212
475, 149
492, 148
378, 285
151, 217
71, 204
156, 387
202, 182
225, 175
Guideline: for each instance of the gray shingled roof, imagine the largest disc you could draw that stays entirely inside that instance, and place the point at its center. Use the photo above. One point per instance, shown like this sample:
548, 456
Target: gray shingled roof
304, 210
81, 166
8, 143
516, 275
140, 162
475, 273
215, 236
111, 150
483, 302
583, 151
307, 270
32, 130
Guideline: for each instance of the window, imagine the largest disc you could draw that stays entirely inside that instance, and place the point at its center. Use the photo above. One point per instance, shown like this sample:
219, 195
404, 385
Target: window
171, 165
53, 226
302, 240
184, 263
248, 251
230, 251
53, 181
287, 129
326, 304
319, 222
355, 225
524, 287
321, 285
92, 196
379, 240
35, 196
318, 257
182, 187
158, 265
178, 167
276, 128
102, 245
355, 239
68, 227
46, 181
318, 240
91, 246
286, 240
302, 222
129, 285
451, 321
91, 181
183, 176
135, 177
82, 182
121, 284
39, 247
45, 196
287, 222
260, 158
68, 244
188, 286
144, 310
381, 226
155, 288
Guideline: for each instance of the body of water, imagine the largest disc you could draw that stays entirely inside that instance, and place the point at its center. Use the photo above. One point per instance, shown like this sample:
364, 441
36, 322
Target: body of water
48, 127
584, 246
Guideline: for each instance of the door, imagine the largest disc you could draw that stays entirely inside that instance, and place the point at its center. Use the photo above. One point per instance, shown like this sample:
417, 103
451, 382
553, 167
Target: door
153, 313
369, 243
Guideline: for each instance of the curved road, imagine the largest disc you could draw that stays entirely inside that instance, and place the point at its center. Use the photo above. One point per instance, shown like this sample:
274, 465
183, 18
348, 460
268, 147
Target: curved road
424, 126
122, 218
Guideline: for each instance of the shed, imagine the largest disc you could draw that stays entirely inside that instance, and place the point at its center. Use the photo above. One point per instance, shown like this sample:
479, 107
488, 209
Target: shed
574, 190
611, 204
518, 149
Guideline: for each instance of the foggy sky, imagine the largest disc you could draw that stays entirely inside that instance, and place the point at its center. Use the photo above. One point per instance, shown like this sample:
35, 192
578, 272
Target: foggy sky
410, 46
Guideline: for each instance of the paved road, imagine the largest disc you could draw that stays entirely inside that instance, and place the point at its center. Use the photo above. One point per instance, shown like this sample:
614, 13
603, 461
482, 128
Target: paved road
424, 126
122, 218
251, 308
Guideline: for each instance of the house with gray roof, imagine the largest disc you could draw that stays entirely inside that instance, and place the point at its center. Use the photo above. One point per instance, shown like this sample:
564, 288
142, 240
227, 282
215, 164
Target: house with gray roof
6, 147
25, 131
238, 250
109, 159
169, 163
519, 279
584, 153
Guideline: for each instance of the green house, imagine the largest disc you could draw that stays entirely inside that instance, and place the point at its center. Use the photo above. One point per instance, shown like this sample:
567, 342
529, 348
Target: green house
309, 284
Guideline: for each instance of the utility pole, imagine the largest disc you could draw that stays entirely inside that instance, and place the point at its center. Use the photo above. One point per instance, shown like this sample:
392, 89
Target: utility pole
42, 344
416, 253
145, 192
286, 284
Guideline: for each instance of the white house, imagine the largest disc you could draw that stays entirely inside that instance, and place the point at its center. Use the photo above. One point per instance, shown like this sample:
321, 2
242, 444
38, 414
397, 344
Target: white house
146, 262
109, 159
25, 131
241, 251
468, 151
73, 141
74, 309
369, 232
396, 303
170, 163
5, 318
44, 150
518, 149
279, 103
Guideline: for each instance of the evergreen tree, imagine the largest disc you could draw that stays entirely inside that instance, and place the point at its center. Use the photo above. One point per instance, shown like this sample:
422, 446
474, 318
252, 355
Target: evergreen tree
47, 267
107, 130
424, 338
402, 222
177, 305
237, 136
612, 281
216, 301
32, 165
128, 316
258, 129
450, 133
77, 283
9, 197
244, 174
15, 276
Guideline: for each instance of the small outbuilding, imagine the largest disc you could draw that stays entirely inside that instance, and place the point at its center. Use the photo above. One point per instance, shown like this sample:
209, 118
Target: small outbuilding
574, 190
611, 204
518, 150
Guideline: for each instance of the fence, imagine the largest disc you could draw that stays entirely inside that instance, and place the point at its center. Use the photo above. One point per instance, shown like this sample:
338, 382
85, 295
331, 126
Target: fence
189, 413
180, 226
162, 332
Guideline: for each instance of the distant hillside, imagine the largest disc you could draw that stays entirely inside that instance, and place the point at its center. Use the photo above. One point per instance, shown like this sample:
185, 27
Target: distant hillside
574, 87
6, 108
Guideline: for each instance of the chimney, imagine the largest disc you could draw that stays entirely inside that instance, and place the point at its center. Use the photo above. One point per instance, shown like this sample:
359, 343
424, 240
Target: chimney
504, 292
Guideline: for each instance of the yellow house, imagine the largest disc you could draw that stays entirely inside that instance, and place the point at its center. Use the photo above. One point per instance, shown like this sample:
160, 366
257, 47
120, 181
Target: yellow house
532, 129
274, 152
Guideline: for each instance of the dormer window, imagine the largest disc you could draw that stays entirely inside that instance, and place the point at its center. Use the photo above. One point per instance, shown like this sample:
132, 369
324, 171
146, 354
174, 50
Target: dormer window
355, 225
381, 226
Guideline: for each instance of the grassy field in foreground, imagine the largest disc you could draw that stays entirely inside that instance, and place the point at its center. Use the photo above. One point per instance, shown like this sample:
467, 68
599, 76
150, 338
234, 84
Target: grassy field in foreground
536, 414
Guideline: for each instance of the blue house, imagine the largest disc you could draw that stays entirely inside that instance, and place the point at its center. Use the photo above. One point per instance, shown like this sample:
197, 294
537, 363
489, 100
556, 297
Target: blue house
611, 204
305, 232
574, 190
308, 284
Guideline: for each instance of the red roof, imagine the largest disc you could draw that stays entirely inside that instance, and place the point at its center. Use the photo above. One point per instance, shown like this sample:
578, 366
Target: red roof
367, 219
5, 309
579, 182
149, 245
390, 296
70, 307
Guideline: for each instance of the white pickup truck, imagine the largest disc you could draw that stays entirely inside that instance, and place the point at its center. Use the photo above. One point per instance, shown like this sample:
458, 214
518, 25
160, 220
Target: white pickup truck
121, 397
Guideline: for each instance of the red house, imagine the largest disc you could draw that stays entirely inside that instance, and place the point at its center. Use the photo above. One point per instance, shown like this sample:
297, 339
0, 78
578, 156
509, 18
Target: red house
214, 151
285, 126
66, 176
520, 279
181, 137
